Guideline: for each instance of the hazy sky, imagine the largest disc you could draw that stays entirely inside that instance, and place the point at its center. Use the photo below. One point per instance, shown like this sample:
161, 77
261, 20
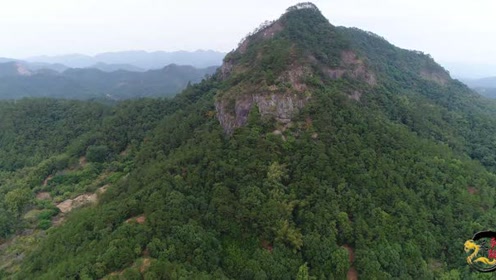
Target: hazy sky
449, 30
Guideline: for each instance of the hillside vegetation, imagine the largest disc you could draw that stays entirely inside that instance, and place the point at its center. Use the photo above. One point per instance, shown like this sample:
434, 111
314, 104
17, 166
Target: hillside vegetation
315, 152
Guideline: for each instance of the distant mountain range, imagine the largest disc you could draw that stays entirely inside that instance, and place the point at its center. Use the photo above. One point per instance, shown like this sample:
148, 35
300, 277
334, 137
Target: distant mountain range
488, 82
485, 86
19, 80
112, 75
135, 60
105, 67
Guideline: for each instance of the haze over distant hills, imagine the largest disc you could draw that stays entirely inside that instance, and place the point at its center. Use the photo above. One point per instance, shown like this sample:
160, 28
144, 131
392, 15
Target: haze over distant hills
138, 59
484, 86
18, 80
487, 82
465, 70
112, 75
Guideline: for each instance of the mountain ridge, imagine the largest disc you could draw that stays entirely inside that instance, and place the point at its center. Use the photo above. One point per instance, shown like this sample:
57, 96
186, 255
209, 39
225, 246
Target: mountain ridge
312, 50
19, 81
299, 58
141, 59
384, 177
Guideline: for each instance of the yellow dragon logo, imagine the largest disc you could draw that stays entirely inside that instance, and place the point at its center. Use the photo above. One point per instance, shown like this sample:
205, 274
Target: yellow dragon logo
470, 245
479, 244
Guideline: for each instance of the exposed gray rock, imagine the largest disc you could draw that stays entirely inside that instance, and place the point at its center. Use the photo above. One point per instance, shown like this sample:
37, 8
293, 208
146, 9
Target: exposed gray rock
280, 106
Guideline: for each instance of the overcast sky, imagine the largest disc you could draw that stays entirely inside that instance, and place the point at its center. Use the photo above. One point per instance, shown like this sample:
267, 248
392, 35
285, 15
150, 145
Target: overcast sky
449, 30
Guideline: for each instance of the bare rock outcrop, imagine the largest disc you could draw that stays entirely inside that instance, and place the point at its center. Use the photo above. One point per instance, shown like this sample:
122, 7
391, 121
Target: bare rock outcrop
278, 78
438, 77
277, 102
280, 106
352, 66
69, 204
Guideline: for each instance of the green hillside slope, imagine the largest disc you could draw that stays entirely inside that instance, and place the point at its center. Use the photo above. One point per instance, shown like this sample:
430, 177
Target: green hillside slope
315, 152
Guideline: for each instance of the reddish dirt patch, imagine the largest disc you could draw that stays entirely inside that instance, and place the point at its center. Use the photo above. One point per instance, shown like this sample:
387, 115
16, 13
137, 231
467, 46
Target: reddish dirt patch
140, 219
472, 190
43, 196
352, 273
145, 265
267, 246
45, 182
351, 253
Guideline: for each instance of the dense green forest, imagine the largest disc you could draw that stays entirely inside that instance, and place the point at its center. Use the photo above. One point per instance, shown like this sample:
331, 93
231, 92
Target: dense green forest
386, 185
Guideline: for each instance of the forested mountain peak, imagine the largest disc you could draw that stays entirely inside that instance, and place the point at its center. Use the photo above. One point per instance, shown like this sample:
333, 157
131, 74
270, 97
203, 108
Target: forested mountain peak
347, 156
275, 67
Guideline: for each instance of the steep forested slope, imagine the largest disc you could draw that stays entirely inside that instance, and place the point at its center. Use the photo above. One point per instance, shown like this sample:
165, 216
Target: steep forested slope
314, 151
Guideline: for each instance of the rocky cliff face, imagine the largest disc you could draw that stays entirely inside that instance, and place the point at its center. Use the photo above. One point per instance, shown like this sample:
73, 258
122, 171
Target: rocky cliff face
282, 102
280, 107
279, 101
280, 93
